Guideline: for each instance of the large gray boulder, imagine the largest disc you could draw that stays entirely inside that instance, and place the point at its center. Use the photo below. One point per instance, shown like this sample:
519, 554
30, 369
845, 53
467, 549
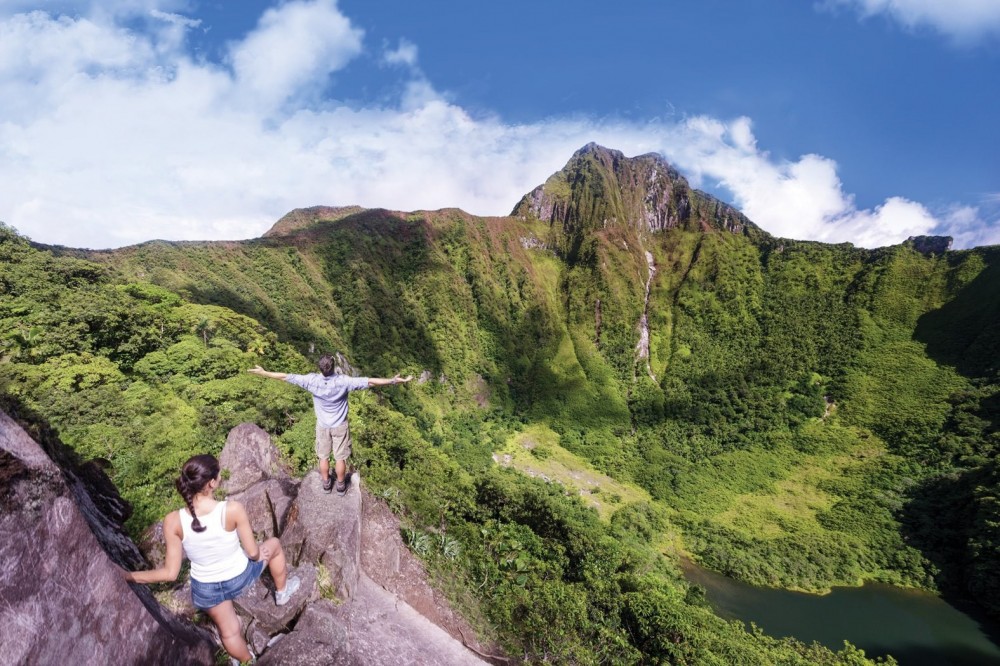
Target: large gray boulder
374, 628
343, 557
268, 504
325, 527
374, 623
63, 599
249, 457
257, 603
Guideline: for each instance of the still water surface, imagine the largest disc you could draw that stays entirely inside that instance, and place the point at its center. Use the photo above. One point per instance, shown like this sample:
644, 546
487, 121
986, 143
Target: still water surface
917, 628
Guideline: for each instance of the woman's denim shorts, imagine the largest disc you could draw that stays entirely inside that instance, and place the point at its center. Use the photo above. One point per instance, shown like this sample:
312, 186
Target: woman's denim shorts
209, 595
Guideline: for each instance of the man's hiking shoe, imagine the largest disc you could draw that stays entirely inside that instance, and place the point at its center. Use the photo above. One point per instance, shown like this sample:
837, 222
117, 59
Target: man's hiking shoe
343, 485
281, 597
328, 484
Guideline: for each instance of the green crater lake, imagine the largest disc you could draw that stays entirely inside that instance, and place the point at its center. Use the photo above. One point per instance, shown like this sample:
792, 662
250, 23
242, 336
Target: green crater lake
915, 627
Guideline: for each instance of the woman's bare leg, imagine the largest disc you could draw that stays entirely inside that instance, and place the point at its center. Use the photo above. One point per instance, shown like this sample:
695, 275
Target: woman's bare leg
276, 565
230, 630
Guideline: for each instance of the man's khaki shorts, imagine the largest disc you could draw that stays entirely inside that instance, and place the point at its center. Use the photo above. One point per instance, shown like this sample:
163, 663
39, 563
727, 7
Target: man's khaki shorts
336, 440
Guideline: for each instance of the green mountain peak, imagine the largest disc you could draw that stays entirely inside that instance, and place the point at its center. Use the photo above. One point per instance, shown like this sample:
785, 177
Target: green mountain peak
601, 188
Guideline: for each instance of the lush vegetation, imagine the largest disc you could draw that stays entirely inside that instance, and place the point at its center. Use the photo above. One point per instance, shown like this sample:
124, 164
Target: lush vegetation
808, 415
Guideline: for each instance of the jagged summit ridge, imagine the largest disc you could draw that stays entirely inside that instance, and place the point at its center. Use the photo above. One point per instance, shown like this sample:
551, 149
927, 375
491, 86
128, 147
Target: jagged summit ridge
643, 190
600, 187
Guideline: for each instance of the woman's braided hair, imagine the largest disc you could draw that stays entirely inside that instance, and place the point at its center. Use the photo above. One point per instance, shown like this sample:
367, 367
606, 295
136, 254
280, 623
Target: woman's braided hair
195, 475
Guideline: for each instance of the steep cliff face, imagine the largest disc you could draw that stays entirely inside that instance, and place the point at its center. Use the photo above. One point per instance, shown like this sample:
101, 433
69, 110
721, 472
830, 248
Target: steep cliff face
614, 219
65, 600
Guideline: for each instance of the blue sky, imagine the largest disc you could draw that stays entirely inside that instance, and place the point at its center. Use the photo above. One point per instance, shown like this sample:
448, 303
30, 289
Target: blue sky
864, 121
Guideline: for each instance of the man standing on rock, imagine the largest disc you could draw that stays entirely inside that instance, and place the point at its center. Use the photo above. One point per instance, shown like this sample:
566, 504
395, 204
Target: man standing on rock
329, 390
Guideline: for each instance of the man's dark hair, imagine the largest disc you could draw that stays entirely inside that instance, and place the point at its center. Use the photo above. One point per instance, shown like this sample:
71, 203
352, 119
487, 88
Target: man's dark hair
326, 365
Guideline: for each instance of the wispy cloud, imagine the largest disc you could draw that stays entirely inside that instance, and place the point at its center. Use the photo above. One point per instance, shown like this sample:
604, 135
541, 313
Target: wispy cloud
404, 54
961, 20
111, 136
968, 224
175, 19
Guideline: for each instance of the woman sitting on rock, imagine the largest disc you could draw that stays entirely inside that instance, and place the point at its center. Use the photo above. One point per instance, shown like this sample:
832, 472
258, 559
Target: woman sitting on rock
225, 558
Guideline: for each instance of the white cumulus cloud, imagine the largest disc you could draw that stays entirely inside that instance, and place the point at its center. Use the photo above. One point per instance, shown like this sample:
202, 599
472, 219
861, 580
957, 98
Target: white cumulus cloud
801, 199
294, 48
99, 8
962, 20
112, 135
972, 226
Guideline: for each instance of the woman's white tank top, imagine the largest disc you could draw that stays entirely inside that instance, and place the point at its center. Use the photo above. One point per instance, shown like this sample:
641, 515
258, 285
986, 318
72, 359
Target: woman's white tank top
215, 554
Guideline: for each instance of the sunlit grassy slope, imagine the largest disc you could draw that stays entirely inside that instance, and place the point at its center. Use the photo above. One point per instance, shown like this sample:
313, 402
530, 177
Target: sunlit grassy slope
536, 452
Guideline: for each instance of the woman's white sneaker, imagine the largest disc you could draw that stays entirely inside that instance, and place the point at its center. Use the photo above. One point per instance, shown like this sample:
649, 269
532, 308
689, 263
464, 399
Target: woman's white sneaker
281, 597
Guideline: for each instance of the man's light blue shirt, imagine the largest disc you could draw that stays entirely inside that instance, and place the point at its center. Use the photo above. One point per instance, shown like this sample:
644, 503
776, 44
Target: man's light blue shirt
329, 395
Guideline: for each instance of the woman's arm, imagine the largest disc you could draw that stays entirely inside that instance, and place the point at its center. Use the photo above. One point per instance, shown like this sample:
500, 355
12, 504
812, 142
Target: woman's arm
173, 535
236, 518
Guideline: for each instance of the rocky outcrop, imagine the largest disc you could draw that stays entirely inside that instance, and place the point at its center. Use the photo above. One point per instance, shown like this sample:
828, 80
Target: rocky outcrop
248, 458
346, 549
373, 628
326, 537
929, 244
319, 639
328, 532
64, 599
269, 504
263, 619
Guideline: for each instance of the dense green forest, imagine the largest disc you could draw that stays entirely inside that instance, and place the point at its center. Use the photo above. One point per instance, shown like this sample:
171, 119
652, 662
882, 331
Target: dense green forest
800, 415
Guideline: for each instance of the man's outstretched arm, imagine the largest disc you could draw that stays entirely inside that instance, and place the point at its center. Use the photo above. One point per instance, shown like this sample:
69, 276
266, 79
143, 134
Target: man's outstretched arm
257, 370
379, 381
